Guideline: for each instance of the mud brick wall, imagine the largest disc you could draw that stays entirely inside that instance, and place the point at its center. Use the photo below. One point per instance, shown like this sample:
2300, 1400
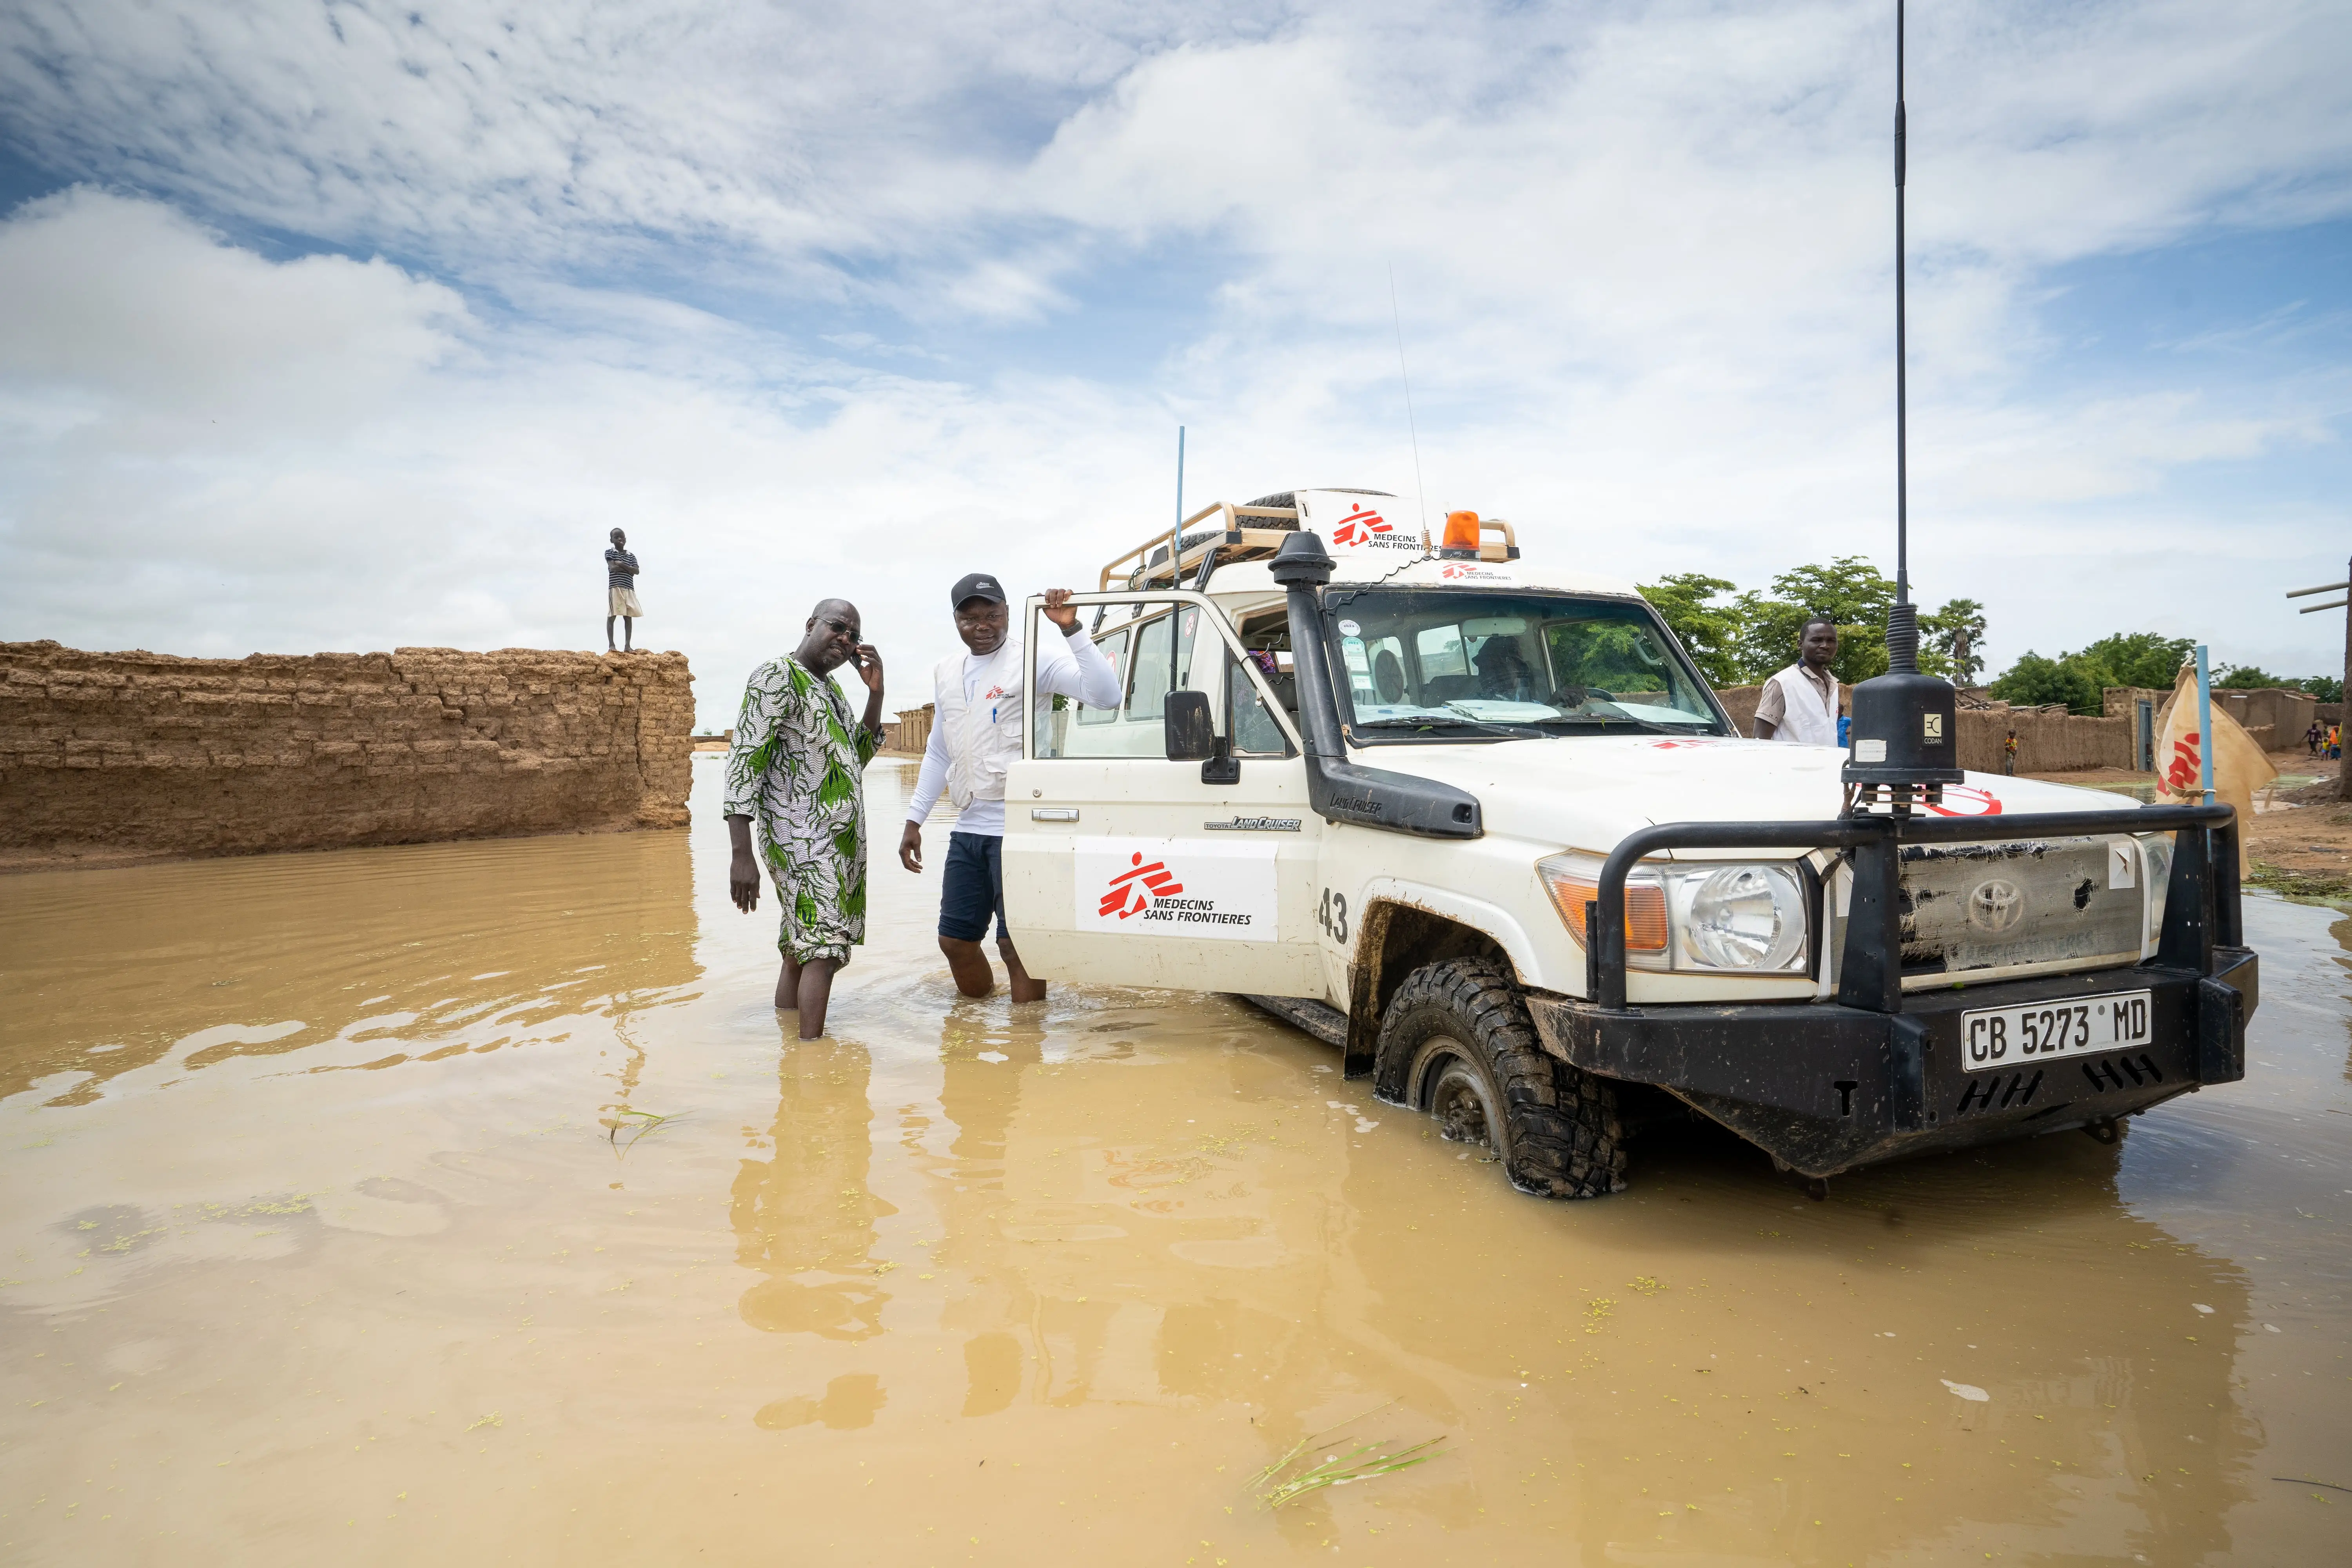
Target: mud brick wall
2287, 713
2046, 743
146, 752
2123, 702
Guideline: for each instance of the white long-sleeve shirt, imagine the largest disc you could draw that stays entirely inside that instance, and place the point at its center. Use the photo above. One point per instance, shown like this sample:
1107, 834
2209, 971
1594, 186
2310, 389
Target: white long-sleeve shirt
1076, 669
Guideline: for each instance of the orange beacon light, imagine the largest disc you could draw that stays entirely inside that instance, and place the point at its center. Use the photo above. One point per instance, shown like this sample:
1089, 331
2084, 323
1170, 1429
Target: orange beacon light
1460, 542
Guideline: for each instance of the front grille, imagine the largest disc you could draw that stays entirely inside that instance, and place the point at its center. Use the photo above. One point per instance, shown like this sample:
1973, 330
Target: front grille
1967, 908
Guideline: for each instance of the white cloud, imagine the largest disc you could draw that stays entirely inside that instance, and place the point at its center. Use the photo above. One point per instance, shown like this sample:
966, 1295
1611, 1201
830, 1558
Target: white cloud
1641, 251
506, 136
314, 454
128, 306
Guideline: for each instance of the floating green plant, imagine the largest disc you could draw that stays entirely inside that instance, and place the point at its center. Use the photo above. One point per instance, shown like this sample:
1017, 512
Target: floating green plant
1363, 1462
637, 1124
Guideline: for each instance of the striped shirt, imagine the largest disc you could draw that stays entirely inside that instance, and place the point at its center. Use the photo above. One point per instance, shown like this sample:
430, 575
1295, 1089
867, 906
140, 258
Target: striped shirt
620, 569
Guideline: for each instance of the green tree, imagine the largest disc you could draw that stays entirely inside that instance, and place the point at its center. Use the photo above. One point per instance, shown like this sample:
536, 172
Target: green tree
2034, 680
2326, 688
1951, 639
1710, 631
2078, 680
2252, 678
1849, 590
2136, 658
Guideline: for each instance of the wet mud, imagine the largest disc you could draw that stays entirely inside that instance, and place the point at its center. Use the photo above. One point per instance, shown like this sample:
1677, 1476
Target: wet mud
471, 1202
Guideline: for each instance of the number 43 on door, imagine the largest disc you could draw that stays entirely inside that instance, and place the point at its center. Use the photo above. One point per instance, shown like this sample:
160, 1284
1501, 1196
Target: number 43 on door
1333, 916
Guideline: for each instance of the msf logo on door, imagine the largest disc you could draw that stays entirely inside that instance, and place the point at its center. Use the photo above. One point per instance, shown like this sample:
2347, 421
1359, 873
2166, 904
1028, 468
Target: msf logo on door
1179, 888
1133, 890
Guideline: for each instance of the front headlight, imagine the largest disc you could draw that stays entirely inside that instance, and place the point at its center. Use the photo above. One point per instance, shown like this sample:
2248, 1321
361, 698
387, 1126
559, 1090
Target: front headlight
1737, 917
1573, 880
1749, 917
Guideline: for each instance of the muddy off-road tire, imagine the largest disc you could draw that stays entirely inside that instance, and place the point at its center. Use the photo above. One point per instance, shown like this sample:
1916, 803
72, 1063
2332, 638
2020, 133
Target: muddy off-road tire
1456, 1044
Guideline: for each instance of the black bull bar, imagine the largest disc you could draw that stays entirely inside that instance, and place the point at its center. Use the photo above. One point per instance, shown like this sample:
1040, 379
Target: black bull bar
1827, 1086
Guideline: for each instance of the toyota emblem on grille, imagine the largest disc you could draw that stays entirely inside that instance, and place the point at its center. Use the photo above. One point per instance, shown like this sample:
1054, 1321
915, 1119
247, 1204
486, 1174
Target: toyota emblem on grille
1996, 905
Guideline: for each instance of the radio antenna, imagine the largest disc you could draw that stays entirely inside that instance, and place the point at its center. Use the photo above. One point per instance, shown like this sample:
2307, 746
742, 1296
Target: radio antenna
1906, 732
1176, 529
1902, 621
1421, 493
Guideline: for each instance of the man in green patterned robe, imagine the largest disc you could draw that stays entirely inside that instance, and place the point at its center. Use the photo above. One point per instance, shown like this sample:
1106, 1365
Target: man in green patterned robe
796, 765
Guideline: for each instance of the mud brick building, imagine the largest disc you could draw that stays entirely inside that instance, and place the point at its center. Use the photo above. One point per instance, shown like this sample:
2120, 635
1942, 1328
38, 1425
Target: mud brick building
115, 753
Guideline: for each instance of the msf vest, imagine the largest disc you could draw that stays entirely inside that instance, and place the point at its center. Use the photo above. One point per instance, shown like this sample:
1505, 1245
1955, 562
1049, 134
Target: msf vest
1803, 719
983, 735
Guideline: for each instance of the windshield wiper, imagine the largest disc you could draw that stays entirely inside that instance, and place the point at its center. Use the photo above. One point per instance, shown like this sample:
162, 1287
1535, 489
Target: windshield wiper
1651, 725
1430, 721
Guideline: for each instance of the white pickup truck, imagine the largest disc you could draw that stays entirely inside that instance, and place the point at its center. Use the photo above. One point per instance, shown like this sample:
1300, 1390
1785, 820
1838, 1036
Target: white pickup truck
1478, 823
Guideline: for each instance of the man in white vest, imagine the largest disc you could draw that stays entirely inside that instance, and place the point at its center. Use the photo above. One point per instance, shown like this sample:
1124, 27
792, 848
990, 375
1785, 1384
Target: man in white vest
1800, 703
976, 728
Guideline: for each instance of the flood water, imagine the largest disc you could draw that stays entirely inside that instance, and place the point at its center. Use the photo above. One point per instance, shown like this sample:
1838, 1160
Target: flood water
339, 1227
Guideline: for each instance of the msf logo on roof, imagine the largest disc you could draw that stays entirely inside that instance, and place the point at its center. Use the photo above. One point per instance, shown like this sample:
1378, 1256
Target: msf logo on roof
1132, 891
1360, 526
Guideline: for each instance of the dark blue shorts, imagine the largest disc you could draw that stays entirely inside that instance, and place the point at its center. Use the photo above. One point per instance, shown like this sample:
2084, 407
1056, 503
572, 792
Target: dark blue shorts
973, 887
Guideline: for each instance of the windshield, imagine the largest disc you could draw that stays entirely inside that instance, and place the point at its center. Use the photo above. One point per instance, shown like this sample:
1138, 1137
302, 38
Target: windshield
1417, 664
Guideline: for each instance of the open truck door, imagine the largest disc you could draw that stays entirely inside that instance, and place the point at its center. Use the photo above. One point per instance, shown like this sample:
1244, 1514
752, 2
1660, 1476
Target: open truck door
1169, 838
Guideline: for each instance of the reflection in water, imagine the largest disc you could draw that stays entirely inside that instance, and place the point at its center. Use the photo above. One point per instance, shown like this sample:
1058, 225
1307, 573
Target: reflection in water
804, 1216
2342, 932
850, 1400
490, 942
981, 1061
971, 1283
1800, 1370
1189, 1228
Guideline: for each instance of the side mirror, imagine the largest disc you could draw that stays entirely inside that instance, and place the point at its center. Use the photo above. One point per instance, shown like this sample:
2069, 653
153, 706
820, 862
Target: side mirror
1224, 768
1191, 731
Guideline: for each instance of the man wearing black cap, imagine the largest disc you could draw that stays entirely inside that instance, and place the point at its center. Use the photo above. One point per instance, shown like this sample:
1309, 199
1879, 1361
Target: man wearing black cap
976, 729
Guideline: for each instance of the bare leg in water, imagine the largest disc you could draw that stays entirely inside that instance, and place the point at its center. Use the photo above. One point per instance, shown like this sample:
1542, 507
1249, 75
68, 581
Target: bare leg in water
806, 989
803, 988
974, 978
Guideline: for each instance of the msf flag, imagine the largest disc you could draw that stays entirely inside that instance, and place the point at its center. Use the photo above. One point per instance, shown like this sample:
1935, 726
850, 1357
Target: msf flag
2240, 768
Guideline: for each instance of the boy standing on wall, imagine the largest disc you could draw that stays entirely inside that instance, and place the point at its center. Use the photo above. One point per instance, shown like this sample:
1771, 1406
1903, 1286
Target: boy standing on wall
620, 591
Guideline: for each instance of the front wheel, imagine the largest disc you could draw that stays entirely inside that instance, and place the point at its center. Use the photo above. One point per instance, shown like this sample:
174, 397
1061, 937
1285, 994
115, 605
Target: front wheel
1456, 1044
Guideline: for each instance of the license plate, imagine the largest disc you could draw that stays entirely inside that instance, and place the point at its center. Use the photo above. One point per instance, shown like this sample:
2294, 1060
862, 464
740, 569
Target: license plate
2006, 1036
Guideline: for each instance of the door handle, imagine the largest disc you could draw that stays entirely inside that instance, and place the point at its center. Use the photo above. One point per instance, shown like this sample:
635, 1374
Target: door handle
1053, 814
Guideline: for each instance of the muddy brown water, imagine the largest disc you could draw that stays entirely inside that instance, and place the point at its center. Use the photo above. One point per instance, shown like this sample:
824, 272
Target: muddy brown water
339, 1227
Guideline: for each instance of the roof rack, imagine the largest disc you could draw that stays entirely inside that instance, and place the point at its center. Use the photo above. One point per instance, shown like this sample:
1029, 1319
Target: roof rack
1489, 551
1200, 552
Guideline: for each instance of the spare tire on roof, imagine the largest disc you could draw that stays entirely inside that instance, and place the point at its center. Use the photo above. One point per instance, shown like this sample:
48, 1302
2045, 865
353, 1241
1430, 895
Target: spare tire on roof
1290, 499
1280, 497
1160, 555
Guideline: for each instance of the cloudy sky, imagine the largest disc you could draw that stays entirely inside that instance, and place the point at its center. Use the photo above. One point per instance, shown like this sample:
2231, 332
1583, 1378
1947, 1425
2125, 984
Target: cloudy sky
349, 325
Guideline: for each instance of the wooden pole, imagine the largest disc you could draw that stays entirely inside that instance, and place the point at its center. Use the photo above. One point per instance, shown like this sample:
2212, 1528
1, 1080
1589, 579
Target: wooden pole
2344, 703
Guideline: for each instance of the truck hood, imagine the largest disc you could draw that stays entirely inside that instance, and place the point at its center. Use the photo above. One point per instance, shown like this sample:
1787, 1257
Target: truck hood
1586, 791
